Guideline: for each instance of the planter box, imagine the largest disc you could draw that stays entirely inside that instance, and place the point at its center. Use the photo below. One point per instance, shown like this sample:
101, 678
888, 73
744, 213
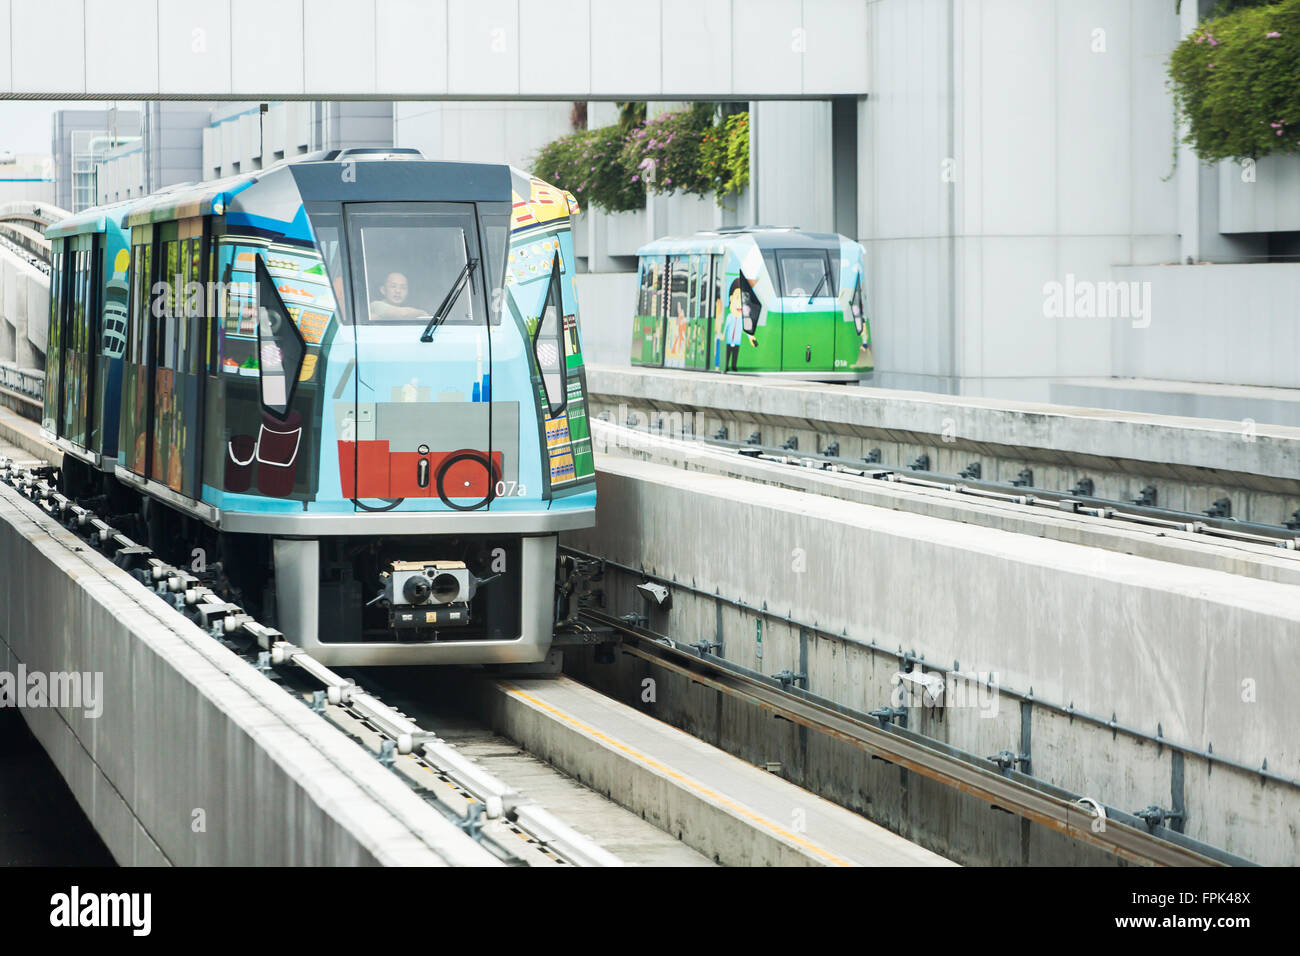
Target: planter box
1271, 203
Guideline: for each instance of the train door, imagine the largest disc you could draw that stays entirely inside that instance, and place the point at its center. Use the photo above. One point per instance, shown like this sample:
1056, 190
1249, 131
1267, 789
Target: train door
809, 308
112, 309
697, 352
717, 308
648, 323
184, 463
168, 324
422, 409
76, 341
679, 304
91, 405
132, 439
59, 279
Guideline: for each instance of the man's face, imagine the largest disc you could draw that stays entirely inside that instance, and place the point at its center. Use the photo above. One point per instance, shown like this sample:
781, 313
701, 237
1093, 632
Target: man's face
394, 289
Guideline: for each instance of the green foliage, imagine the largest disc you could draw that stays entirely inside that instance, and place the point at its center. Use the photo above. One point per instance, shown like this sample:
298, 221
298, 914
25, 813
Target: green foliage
632, 114
589, 164
1224, 7
666, 151
685, 150
724, 154
1236, 82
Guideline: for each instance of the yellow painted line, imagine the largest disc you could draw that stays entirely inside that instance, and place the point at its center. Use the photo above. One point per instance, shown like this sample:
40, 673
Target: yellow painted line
681, 778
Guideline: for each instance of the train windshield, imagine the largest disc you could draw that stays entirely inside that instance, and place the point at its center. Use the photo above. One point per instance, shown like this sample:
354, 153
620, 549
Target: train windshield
805, 273
407, 263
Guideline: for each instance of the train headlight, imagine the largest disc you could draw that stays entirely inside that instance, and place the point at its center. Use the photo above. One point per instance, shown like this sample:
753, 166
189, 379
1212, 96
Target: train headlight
419, 583
446, 587
416, 589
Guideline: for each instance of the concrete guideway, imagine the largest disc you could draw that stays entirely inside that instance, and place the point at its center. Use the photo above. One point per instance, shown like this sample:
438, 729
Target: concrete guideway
1194, 659
25, 435
1263, 561
196, 758
722, 806
1194, 461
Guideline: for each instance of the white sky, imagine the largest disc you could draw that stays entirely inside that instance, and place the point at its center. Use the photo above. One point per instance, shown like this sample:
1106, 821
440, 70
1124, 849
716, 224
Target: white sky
25, 125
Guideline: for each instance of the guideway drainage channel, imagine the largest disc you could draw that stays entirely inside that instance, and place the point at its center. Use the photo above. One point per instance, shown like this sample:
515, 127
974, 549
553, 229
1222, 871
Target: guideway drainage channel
1125, 835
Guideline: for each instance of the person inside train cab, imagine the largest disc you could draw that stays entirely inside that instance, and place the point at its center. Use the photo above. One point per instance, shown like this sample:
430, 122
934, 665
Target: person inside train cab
390, 305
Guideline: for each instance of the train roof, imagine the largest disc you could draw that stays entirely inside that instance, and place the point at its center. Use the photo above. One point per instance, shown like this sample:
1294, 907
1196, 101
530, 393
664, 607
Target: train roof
95, 219
273, 199
765, 237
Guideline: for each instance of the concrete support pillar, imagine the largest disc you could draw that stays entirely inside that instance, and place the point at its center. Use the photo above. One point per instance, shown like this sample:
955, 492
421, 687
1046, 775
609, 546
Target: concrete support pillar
25, 354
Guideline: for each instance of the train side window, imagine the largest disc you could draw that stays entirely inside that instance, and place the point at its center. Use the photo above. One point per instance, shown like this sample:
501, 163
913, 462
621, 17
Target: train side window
858, 306
331, 252
280, 346
548, 342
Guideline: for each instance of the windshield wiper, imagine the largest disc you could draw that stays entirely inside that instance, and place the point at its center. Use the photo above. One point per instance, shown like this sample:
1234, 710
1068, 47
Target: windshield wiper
821, 283
453, 294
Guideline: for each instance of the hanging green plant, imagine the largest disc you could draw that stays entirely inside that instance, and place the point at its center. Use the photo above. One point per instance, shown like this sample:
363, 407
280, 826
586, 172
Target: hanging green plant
1236, 82
665, 152
589, 164
724, 155
685, 150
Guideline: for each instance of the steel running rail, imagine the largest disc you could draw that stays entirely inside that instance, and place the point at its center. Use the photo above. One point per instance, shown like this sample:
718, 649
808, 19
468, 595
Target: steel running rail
185, 593
1123, 834
905, 657
498, 800
1233, 529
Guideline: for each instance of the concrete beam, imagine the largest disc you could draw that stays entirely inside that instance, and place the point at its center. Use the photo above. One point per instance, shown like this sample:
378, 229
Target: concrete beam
195, 757
1195, 657
434, 49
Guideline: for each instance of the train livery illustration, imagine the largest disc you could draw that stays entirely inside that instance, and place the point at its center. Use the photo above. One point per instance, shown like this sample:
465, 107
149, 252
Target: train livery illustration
756, 299
351, 385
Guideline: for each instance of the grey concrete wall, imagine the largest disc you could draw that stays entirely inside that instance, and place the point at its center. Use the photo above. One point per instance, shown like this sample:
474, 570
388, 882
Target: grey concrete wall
1232, 323
187, 726
1201, 657
1260, 197
605, 303
495, 132
1193, 462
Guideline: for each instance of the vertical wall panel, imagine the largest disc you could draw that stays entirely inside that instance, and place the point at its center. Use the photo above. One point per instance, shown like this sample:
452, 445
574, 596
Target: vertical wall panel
339, 45
483, 54
554, 46
267, 46
194, 46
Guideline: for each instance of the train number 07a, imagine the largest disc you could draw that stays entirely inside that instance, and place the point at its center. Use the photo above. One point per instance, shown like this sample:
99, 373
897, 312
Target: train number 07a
507, 489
